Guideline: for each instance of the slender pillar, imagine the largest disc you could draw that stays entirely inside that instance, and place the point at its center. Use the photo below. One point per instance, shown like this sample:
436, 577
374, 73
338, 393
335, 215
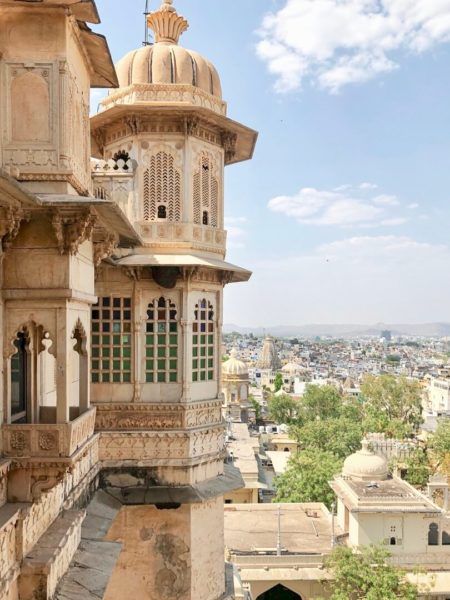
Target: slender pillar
62, 368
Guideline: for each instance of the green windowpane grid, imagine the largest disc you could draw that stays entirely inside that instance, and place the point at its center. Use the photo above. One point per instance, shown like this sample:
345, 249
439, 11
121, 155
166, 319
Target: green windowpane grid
161, 348
203, 350
111, 340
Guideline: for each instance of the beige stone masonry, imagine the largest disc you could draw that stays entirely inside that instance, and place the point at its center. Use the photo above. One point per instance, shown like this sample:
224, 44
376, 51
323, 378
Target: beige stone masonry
46, 564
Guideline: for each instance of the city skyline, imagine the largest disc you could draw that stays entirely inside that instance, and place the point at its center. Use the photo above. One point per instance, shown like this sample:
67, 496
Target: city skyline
342, 213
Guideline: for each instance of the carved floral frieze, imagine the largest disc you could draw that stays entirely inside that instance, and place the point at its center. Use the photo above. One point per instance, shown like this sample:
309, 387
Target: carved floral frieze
128, 417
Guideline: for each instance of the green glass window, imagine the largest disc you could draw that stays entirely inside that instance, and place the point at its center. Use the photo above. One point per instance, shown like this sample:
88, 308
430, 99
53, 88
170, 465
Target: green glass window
162, 320
112, 317
203, 342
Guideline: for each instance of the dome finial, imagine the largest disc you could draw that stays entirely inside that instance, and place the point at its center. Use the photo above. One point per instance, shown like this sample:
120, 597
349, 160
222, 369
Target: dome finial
166, 23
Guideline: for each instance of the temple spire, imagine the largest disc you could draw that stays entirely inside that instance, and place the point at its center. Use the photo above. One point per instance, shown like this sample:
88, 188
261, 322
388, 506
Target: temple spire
166, 23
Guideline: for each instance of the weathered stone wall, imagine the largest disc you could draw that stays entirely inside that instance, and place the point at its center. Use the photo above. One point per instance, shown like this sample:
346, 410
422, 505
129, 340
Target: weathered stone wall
156, 550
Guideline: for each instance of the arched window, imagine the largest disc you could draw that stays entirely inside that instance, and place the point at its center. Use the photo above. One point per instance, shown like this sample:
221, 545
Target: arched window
20, 383
206, 193
161, 342
203, 342
162, 188
111, 340
393, 541
162, 212
433, 535
445, 539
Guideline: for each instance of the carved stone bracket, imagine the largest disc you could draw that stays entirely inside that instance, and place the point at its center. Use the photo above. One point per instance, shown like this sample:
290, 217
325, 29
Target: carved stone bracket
99, 136
227, 277
10, 225
71, 231
191, 126
105, 248
134, 123
229, 141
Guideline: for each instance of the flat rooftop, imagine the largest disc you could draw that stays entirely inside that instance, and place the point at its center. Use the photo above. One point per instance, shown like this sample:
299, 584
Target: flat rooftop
389, 495
253, 528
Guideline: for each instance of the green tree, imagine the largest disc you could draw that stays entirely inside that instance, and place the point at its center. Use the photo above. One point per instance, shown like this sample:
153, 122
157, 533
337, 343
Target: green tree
440, 442
392, 405
256, 407
307, 476
321, 402
278, 382
284, 409
367, 575
417, 468
341, 436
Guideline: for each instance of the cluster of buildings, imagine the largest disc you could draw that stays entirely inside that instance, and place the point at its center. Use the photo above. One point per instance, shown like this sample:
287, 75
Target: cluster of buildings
344, 363
280, 550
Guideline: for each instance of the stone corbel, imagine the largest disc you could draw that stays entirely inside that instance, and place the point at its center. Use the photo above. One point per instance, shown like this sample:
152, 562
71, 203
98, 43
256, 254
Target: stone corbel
99, 136
229, 141
189, 272
72, 231
105, 248
133, 273
10, 225
227, 277
191, 126
134, 123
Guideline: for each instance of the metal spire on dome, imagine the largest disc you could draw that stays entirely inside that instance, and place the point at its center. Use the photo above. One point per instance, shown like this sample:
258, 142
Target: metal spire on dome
167, 24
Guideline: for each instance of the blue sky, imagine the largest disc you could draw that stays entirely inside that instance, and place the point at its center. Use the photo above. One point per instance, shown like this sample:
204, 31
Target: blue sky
343, 214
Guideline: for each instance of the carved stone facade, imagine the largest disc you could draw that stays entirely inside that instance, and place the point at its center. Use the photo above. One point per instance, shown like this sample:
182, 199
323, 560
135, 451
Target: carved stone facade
111, 299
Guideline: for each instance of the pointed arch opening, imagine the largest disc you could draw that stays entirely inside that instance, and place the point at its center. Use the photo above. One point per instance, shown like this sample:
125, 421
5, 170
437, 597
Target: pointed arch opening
21, 378
79, 372
279, 592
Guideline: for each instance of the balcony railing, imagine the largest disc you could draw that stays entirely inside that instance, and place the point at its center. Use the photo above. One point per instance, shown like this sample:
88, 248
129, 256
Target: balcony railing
199, 237
48, 440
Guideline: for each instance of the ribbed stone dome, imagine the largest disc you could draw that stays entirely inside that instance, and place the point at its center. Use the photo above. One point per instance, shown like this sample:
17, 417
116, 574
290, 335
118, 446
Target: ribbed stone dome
365, 465
234, 367
165, 62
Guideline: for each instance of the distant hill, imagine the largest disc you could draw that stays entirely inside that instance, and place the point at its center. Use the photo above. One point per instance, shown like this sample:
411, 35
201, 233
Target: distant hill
345, 331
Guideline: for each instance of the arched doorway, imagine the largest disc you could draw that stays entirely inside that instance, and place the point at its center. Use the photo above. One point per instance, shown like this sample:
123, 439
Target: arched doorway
279, 592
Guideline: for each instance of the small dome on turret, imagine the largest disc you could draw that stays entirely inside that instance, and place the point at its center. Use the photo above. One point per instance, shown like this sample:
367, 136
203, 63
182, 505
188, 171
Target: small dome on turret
234, 367
165, 62
365, 465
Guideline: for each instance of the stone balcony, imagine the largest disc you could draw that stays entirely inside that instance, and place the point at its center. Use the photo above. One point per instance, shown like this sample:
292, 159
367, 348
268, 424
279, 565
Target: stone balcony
183, 236
48, 440
160, 434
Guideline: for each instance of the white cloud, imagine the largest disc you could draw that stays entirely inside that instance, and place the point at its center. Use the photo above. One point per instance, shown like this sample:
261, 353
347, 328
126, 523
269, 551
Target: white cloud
337, 42
368, 186
413, 206
235, 235
344, 206
386, 200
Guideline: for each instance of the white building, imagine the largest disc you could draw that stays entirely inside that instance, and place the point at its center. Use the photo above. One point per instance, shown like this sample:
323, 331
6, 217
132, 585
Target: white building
439, 395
